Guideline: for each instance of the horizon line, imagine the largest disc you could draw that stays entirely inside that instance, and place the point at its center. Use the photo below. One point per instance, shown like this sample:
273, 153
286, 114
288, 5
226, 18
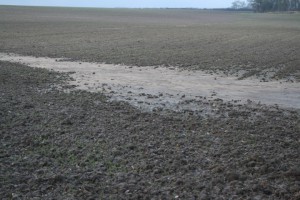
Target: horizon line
114, 7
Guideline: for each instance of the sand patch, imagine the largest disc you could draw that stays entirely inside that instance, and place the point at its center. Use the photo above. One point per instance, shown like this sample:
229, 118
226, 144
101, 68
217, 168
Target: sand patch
152, 87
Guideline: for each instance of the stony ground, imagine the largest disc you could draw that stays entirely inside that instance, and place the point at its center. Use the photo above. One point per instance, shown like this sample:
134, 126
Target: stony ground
57, 145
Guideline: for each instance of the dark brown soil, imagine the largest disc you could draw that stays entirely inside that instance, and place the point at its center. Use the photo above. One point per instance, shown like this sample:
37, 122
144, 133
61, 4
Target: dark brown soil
191, 39
77, 145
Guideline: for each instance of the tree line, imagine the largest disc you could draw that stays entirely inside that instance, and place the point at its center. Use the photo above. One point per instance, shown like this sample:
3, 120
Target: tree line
268, 5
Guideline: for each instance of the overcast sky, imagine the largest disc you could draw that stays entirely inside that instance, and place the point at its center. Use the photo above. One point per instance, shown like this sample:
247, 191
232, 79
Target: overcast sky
124, 3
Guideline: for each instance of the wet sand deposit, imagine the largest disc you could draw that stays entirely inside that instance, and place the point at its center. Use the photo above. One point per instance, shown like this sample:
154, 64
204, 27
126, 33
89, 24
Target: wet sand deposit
171, 88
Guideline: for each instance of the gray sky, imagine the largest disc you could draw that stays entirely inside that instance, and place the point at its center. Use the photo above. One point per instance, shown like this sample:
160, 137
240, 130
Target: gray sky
124, 3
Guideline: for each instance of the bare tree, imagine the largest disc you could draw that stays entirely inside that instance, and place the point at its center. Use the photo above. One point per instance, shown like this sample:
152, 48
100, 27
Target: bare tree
238, 4
274, 5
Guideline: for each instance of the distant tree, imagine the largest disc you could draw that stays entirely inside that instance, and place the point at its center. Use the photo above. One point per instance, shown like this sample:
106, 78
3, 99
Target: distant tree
238, 4
274, 5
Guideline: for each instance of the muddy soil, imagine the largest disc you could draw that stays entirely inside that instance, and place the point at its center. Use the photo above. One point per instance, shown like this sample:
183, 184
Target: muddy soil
80, 145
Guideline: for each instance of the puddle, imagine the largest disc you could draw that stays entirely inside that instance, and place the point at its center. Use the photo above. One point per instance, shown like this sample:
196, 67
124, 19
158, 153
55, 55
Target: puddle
170, 88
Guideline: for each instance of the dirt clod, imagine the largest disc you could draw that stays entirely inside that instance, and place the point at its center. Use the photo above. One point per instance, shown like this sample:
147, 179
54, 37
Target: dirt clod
79, 145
